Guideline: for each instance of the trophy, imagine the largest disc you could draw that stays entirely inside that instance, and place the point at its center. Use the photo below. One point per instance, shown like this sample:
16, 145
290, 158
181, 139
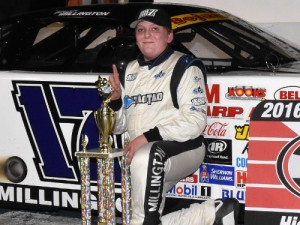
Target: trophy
105, 120
105, 116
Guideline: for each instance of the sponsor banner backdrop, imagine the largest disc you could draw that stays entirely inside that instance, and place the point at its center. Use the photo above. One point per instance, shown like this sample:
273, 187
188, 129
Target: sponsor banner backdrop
273, 181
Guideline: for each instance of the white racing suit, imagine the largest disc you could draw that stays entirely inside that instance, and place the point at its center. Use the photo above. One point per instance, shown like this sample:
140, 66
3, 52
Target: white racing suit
174, 149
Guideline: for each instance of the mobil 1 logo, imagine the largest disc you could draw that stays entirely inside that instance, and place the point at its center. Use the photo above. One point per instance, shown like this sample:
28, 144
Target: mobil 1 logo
205, 192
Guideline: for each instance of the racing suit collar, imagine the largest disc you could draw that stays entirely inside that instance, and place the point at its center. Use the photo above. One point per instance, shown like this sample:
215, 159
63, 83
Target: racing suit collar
158, 60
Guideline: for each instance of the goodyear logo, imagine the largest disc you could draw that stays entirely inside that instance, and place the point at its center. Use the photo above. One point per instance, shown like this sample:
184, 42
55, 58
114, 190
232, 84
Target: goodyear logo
192, 18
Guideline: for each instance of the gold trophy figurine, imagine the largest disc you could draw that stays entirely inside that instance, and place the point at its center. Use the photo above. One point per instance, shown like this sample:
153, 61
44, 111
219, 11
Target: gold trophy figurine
104, 116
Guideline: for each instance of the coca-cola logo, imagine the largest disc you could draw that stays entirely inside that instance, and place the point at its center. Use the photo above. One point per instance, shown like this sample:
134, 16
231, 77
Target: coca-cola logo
216, 129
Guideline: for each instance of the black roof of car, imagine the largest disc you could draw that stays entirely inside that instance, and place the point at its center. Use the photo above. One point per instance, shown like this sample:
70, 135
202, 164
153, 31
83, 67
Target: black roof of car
124, 13
244, 45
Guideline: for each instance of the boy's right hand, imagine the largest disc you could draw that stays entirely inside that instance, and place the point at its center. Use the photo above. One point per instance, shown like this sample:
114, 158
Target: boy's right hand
115, 84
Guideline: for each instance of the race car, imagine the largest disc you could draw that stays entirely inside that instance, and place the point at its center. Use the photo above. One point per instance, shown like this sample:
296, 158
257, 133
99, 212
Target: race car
50, 60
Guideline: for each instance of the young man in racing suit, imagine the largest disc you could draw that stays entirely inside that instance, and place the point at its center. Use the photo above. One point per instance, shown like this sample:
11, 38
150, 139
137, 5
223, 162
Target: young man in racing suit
165, 142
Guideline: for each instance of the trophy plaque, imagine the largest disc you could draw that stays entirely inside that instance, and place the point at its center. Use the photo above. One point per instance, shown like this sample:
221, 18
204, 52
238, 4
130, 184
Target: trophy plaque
104, 155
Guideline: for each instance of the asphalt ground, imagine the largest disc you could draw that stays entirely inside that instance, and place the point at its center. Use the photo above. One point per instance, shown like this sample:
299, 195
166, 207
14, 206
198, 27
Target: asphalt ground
21, 217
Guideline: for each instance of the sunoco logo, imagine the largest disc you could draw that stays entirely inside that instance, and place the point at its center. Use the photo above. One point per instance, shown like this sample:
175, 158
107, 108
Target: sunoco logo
288, 93
290, 176
217, 147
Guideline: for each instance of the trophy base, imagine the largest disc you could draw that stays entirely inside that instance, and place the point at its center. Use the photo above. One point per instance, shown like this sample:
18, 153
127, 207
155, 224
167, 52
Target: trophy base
95, 153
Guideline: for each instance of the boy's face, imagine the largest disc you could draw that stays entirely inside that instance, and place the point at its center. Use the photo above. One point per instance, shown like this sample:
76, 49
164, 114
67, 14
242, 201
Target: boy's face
152, 39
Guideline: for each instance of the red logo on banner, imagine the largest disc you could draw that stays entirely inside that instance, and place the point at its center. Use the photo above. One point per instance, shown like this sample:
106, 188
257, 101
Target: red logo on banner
241, 178
288, 93
190, 179
216, 129
289, 175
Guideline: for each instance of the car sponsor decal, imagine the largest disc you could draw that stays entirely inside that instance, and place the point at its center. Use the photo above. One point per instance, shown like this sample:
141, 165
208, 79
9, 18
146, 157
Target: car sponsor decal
192, 18
64, 13
190, 190
241, 178
246, 93
215, 174
46, 198
234, 193
216, 129
288, 93
241, 162
242, 132
55, 115
219, 151
190, 179
213, 94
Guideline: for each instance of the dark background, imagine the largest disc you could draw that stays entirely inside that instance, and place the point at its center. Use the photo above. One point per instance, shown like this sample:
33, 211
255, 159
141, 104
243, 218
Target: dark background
13, 7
